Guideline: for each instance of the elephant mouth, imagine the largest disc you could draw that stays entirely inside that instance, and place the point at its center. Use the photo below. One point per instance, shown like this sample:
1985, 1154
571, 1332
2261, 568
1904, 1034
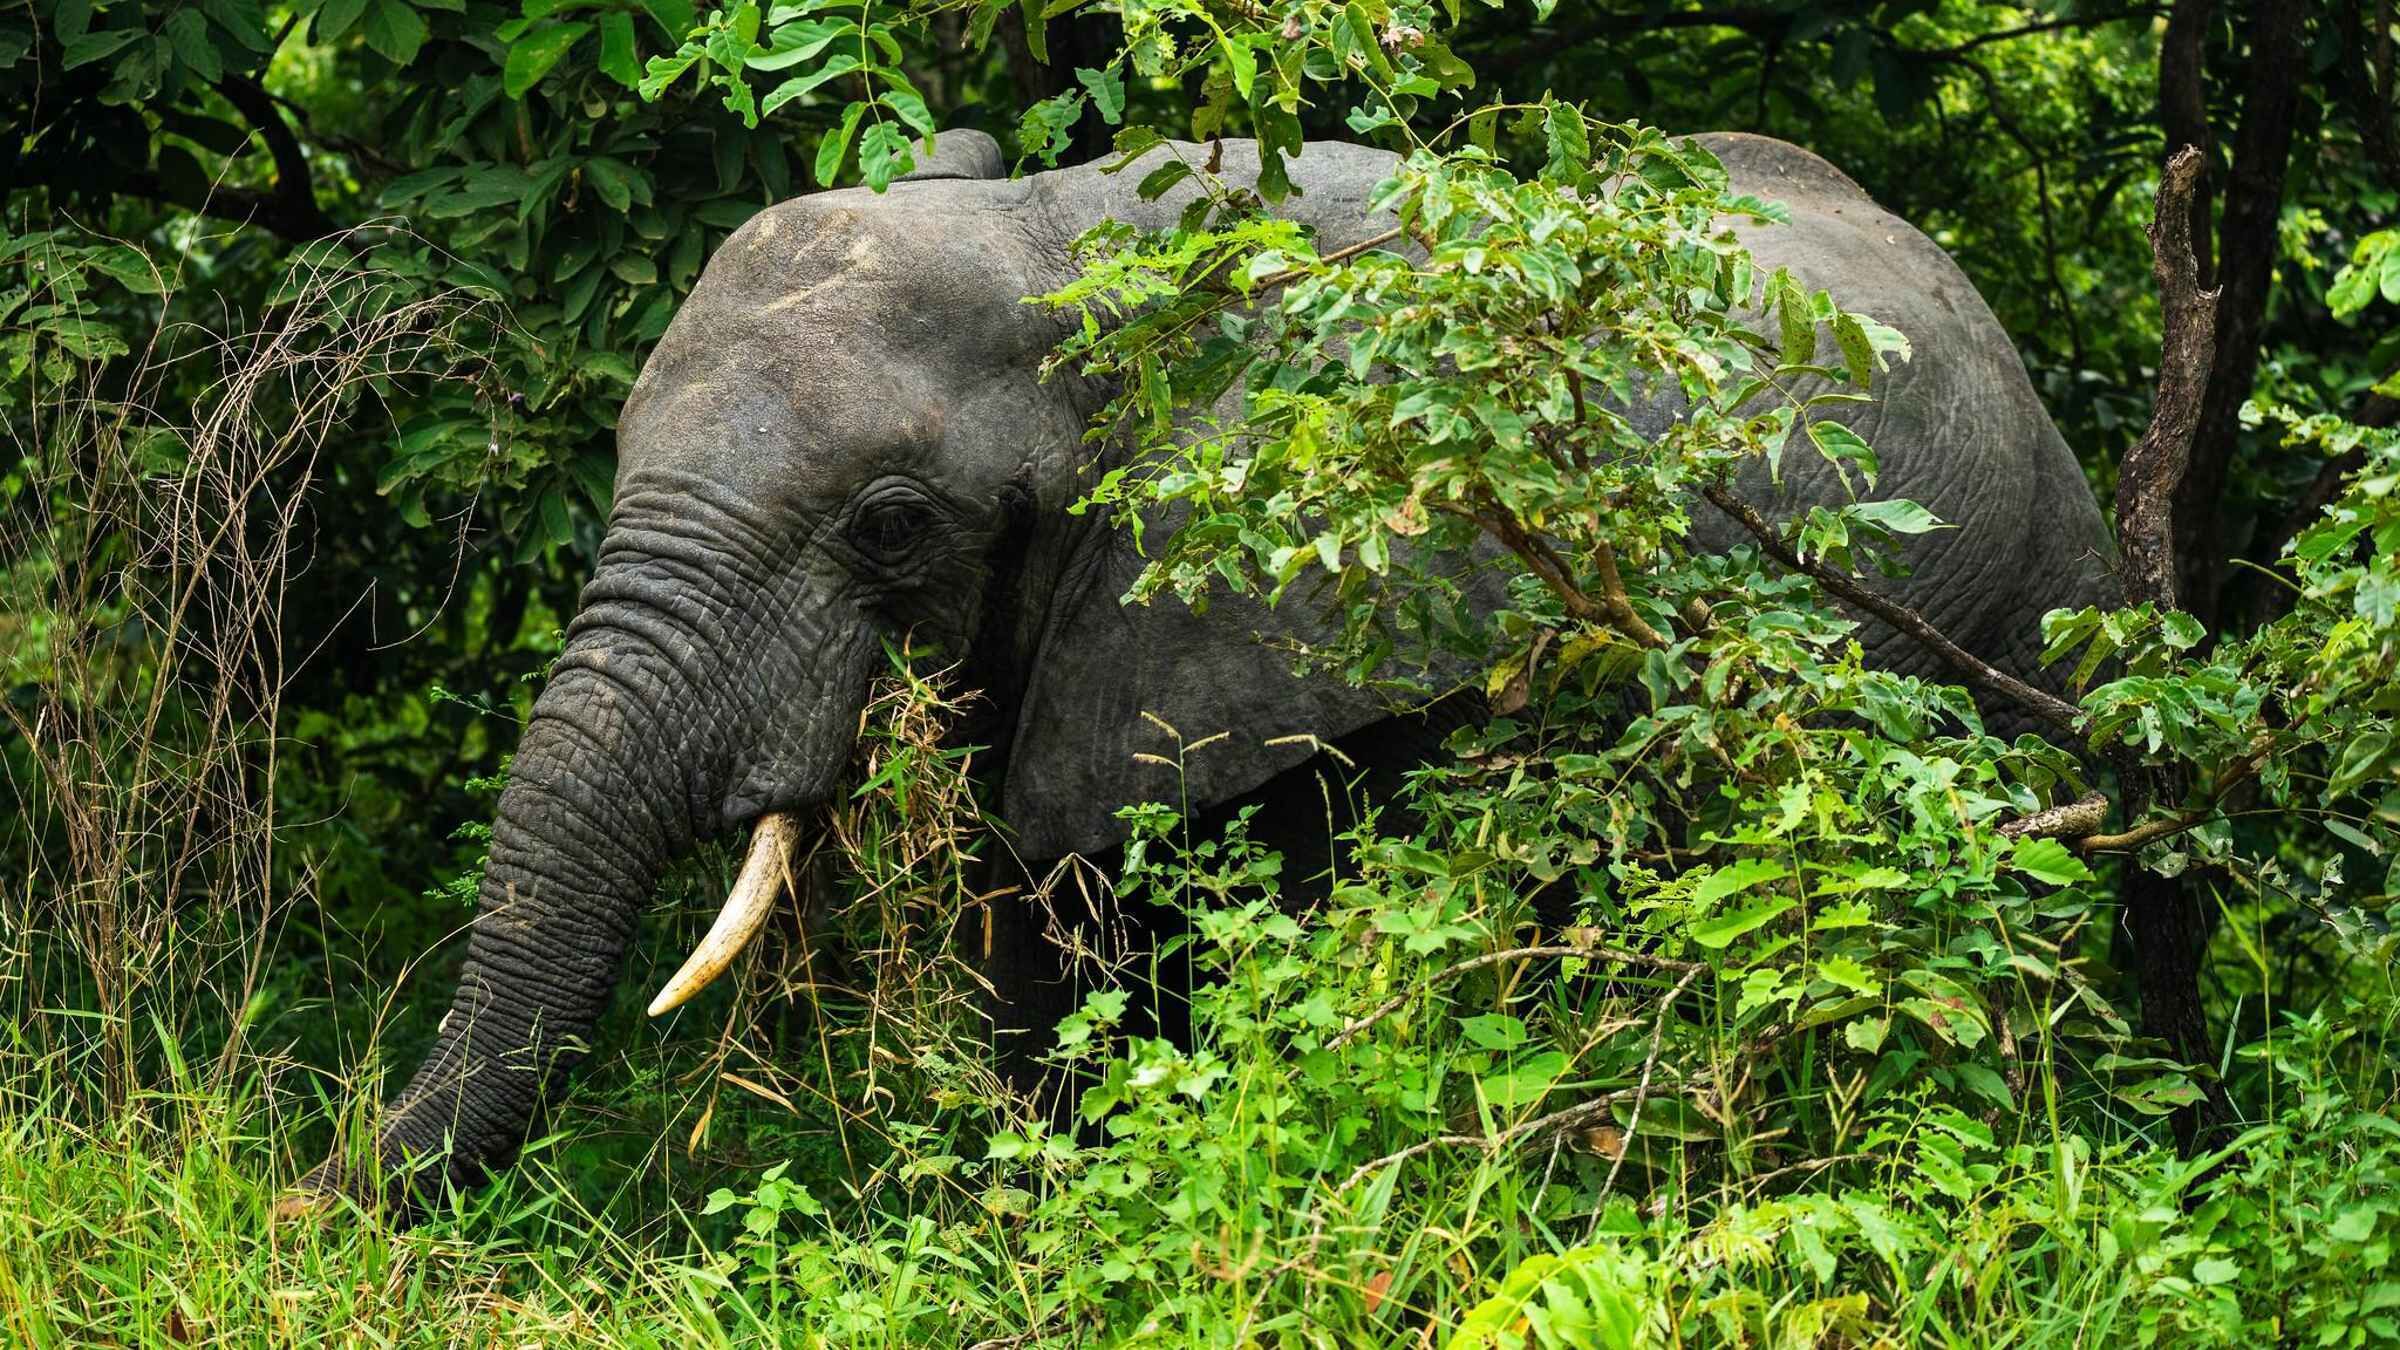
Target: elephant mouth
766, 874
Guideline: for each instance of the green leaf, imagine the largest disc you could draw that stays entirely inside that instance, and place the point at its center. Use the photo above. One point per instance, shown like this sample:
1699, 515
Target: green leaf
1240, 61
673, 17
617, 59
1897, 515
92, 47
395, 30
1523, 1084
2353, 287
2361, 758
883, 153
2356, 1223
834, 68
1798, 320
1037, 29
618, 184
1494, 1031
534, 55
1107, 89
1718, 931
910, 108
1849, 974
1568, 142
2048, 860
1740, 876
1858, 354
187, 31
797, 42
131, 269
836, 146
1155, 183
1841, 446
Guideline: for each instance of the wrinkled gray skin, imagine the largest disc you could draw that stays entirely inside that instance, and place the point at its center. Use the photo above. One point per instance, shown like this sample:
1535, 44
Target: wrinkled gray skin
842, 438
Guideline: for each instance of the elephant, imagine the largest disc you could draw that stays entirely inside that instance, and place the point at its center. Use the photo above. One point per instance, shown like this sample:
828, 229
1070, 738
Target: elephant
844, 436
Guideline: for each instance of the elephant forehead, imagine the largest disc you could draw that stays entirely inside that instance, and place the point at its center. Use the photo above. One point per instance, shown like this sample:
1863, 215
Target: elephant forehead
887, 273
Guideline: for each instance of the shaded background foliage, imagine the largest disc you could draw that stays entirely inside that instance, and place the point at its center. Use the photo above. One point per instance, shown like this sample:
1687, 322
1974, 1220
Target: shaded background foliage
506, 154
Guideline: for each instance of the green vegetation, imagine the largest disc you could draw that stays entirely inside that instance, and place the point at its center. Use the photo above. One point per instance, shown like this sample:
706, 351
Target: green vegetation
1865, 1025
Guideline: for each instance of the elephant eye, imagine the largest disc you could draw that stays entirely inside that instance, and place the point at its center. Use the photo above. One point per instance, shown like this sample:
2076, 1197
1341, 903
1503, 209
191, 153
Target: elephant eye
887, 529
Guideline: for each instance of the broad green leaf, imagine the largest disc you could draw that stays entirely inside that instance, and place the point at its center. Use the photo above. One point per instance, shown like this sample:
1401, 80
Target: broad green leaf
2362, 757
836, 146
1849, 974
1841, 447
911, 109
1739, 876
535, 54
2048, 860
1718, 931
90, 47
187, 31
797, 42
883, 153
617, 59
1858, 354
834, 68
395, 30
1107, 89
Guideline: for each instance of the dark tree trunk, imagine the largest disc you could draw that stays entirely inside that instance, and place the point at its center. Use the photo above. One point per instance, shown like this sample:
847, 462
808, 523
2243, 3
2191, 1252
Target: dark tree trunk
2247, 249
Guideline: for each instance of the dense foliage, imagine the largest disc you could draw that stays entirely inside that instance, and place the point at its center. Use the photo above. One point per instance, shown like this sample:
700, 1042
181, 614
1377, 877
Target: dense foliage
1721, 989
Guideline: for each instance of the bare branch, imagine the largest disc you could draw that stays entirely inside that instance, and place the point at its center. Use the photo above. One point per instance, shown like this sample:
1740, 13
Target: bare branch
2071, 820
2153, 470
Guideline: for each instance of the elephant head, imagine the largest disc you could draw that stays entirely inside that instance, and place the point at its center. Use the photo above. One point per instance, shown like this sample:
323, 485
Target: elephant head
841, 439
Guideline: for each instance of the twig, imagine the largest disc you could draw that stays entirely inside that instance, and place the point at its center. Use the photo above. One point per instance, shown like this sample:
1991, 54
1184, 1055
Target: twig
2050, 708
1342, 254
1758, 1183
1555, 1122
1641, 1091
1595, 951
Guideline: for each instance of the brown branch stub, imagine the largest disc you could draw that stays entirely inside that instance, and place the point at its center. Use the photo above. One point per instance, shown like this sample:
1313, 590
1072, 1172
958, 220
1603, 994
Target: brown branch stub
2054, 712
2069, 820
2154, 468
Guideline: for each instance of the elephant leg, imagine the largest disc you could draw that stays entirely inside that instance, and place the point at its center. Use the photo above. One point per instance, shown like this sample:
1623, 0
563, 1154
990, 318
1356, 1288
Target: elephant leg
1042, 956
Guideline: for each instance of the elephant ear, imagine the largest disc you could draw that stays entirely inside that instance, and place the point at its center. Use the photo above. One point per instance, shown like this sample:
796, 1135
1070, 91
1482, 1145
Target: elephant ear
1229, 713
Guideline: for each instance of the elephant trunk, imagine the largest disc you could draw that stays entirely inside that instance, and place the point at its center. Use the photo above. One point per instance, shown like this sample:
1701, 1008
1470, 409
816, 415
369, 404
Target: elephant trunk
650, 736
595, 810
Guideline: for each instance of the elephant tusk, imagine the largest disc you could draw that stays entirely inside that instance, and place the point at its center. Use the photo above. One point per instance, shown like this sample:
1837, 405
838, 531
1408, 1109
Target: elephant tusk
765, 873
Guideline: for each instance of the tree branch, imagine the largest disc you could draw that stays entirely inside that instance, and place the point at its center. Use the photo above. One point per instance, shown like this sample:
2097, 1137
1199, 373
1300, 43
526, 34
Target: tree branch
2153, 470
2052, 710
2074, 820
295, 190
